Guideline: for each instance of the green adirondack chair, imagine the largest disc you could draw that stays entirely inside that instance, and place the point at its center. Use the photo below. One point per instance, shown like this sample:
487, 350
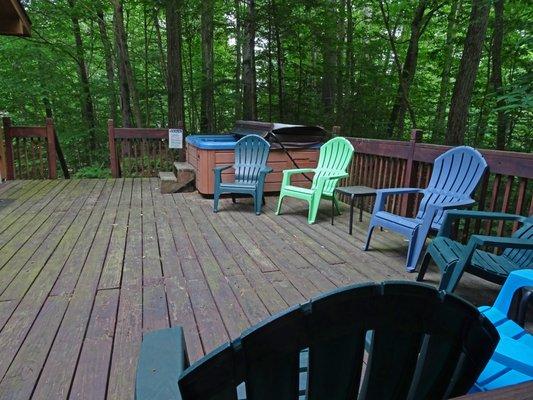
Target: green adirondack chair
454, 258
335, 156
421, 344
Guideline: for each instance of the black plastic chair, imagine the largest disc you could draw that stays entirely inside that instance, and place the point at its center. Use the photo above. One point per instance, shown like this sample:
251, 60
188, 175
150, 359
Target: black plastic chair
421, 344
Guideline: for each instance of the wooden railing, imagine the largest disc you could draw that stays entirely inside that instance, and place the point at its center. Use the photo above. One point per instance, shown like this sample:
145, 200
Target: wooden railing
138, 152
31, 151
507, 187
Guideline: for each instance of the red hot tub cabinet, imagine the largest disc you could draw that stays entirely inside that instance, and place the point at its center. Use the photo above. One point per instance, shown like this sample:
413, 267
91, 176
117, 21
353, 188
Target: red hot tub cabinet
205, 152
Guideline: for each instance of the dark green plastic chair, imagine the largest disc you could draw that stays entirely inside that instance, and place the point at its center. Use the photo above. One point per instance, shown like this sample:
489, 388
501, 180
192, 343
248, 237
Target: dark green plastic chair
454, 258
421, 344
251, 155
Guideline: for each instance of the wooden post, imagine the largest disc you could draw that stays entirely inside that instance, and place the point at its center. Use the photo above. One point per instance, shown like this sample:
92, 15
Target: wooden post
113, 158
10, 167
336, 130
408, 202
51, 146
3, 168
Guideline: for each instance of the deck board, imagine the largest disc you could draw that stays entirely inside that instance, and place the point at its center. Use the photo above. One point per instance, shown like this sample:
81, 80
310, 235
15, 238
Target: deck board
86, 267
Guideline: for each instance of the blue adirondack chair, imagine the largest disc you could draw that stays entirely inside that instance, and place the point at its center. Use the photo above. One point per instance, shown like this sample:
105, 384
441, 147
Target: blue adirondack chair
251, 155
454, 258
456, 173
512, 361
424, 344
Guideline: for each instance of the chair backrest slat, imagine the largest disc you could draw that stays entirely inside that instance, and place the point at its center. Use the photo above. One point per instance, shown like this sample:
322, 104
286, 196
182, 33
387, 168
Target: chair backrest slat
251, 154
335, 157
522, 258
425, 344
455, 176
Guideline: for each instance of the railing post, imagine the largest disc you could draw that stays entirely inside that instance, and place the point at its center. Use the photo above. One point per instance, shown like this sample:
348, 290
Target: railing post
51, 145
408, 202
10, 166
115, 168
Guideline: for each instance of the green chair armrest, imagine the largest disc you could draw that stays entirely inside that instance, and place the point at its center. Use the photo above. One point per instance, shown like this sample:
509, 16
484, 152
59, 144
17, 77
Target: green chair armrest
502, 242
162, 359
290, 172
483, 215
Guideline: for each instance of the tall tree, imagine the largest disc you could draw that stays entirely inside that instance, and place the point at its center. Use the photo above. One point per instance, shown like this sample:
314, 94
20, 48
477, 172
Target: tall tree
439, 123
125, 72
496, 76
406, 76
109, 63
466, 76
87, 108
248, 60
238, 60
174, 65
207, 122
329, 60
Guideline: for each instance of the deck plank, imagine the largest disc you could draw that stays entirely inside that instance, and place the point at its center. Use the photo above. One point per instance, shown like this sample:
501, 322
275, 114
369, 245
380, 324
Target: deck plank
87, 267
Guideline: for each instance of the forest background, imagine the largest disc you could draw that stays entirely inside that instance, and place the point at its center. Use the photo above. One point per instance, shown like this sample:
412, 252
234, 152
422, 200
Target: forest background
460, 70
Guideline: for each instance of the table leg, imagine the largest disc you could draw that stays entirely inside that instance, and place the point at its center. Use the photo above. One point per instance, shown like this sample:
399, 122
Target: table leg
352, 201
332, 208
361, 209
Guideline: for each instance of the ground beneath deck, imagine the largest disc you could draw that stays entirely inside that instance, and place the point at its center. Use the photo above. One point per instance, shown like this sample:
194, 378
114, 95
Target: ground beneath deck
87, 266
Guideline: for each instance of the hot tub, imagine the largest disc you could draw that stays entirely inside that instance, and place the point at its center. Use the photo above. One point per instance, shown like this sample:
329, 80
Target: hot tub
205, 152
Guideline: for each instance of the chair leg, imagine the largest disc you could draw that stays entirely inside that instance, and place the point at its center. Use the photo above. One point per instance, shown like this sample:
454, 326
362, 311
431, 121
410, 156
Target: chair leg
369, 236
258, 203
415, 250
216, 196
337, 207
313, 210
280, 200
423, 267
233, 198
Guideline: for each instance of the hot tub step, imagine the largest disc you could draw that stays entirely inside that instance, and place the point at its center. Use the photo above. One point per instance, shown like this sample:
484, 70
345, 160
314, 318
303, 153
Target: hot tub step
185, 175
172, 184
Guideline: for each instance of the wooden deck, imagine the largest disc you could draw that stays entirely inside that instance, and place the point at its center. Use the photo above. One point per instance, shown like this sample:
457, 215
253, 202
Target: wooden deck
87, 266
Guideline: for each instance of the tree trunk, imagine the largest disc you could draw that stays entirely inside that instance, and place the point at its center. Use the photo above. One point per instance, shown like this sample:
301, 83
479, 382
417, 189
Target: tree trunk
248, 61
207, 107
174, 65
238, 59
159, 40
466, 76
439, 124
350, 67
341, 46
87, 108
279, 64
396, 121
270, 80
329, 63
496, 76
127, 82
109, 64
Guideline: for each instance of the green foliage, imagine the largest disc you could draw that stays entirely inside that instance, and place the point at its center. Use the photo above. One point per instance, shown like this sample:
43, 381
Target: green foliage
45, 67
93, 173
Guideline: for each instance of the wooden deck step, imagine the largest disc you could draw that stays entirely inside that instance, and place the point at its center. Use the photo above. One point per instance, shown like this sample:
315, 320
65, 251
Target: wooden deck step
181, 180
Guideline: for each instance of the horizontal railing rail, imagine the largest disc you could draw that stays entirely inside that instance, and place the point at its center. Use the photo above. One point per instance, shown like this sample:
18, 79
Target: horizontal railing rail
140, 152
506, 187
31, 151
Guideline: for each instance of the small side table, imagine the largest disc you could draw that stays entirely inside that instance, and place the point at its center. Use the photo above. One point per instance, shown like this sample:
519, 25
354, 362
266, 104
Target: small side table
353, 192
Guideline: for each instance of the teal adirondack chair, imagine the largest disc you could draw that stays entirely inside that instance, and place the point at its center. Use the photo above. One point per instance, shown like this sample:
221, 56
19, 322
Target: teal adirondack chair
251, 155
456, 174
335, 156
454, 258
421, 344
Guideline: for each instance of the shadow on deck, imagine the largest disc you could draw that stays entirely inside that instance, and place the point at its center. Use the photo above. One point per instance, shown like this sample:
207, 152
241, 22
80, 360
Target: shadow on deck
87, 266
